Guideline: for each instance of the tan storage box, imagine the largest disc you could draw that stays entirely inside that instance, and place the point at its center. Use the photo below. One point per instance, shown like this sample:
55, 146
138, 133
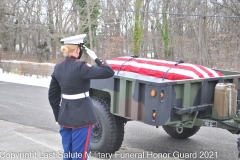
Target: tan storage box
225, 99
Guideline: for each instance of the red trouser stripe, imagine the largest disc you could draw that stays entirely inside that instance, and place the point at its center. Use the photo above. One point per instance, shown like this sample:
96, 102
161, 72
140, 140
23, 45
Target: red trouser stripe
87, 142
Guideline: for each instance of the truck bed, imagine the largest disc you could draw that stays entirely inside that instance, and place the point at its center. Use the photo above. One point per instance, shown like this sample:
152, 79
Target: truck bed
130, 97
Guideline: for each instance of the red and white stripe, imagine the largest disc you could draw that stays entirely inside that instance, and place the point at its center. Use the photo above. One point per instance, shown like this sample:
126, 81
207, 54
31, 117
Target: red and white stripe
157, 68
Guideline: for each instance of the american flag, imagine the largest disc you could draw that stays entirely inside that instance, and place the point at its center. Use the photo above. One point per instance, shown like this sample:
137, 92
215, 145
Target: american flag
157, 68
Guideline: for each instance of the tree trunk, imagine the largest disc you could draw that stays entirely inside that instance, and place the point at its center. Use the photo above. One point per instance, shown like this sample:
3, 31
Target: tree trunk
51, 28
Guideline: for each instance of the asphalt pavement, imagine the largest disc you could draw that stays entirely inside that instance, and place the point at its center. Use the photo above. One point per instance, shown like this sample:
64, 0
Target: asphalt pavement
28, 129
20, 142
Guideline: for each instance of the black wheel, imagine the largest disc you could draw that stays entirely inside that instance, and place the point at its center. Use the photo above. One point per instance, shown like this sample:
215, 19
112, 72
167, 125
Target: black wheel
186, 132
107, 135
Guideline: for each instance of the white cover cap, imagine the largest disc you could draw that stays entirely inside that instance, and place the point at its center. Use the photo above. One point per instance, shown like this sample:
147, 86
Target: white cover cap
74, 39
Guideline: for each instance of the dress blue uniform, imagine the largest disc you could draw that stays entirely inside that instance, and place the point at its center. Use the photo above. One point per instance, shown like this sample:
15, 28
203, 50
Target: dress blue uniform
72, 107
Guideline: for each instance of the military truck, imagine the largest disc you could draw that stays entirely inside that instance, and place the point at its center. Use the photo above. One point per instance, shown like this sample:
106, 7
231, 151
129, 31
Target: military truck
181, 107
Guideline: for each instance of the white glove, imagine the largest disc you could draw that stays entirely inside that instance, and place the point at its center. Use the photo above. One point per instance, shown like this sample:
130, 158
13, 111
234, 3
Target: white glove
91, 53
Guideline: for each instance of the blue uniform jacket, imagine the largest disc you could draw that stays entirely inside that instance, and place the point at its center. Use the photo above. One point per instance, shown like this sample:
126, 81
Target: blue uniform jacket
72, 76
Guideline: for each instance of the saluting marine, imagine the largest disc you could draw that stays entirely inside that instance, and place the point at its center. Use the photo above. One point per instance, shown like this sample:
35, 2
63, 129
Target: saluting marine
70, 85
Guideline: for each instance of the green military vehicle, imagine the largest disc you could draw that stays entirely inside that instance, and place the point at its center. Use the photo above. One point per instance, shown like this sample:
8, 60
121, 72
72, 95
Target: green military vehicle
180, 107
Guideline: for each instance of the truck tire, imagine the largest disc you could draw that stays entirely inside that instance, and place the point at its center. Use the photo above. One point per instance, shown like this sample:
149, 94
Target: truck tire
120, 132
107, 135
187, 132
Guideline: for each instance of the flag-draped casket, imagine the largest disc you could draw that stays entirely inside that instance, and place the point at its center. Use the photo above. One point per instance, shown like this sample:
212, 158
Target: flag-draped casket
156, 69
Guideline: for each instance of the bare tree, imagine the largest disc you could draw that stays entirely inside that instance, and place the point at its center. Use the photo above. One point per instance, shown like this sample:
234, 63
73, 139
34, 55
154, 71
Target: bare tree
200, 31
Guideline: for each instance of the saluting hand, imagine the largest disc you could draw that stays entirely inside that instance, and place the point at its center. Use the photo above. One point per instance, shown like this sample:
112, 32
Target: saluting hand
91, 53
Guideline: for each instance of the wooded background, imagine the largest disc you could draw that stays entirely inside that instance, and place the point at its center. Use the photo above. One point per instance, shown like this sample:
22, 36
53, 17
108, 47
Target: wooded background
205, 32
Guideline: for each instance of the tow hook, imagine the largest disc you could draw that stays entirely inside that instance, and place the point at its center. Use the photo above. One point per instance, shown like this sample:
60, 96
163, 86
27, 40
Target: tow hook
179, 128
238, 146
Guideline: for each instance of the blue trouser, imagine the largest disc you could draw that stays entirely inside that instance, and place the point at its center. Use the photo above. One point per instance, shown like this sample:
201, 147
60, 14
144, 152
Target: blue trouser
75, 142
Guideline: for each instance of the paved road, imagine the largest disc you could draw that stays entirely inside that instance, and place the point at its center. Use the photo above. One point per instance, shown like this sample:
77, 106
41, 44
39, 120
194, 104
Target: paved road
27, 124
